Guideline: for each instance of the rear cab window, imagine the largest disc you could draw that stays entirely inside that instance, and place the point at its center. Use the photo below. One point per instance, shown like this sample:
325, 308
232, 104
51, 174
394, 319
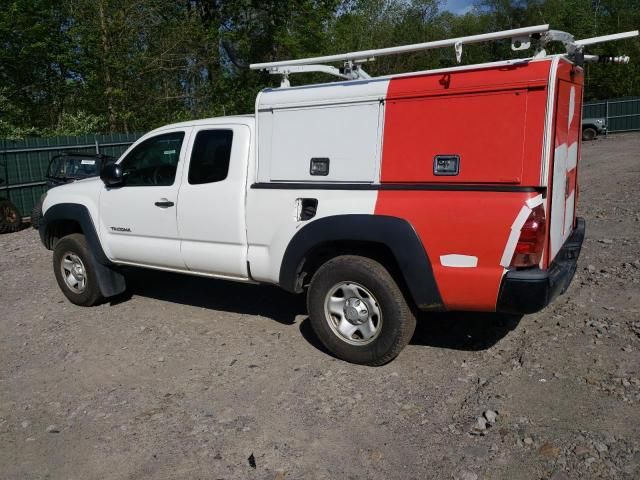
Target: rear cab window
210, 156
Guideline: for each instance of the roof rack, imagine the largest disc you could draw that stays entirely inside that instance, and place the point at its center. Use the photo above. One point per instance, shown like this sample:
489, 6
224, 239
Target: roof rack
521, 39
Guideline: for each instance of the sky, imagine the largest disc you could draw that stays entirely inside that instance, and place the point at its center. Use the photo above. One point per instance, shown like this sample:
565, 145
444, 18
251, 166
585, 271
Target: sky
459, 7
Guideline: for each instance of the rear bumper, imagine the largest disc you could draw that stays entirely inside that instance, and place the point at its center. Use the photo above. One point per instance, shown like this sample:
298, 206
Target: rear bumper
529, 291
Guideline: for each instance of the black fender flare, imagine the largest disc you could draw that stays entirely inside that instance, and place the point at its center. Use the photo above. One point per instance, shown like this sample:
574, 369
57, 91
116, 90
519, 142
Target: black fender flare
110, 281
395, 233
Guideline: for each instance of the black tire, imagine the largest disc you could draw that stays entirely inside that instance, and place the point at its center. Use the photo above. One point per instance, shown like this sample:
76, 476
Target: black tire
76, 245
397, 319
589, 133
36, 214
10, 219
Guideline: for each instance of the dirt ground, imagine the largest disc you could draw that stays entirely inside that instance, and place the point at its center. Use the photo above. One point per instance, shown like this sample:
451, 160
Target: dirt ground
194, 378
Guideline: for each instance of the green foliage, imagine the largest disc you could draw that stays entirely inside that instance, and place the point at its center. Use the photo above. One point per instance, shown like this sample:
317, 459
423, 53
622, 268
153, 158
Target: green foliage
79, 66
78, 123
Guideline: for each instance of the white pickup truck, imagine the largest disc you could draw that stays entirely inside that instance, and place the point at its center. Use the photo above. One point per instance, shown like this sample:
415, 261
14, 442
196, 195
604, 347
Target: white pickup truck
378, 196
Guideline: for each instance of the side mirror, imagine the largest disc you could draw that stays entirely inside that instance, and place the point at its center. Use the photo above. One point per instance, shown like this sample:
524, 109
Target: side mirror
112, 175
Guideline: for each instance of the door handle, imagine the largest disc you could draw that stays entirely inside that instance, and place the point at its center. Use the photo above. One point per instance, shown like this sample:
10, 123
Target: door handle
164, 204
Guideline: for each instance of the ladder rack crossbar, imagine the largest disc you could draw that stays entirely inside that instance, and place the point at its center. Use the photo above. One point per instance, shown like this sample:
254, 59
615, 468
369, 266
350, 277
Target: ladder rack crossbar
606, 38
364, 55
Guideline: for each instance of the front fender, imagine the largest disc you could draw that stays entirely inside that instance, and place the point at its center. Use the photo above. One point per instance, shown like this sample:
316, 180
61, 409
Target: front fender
110, 281
78, 213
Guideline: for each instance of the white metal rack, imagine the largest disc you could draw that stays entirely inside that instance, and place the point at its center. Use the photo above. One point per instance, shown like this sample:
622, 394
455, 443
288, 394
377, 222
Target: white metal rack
521, 39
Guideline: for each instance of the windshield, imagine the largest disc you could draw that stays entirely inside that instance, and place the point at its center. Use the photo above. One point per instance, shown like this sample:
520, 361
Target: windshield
73, 167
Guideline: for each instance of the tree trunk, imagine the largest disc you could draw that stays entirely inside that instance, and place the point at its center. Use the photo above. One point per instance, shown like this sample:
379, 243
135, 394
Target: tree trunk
108, 83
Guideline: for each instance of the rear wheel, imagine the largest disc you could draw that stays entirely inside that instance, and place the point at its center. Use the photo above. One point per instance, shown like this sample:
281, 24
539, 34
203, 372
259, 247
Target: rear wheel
358, 311
73, 267
589, 133
10, 219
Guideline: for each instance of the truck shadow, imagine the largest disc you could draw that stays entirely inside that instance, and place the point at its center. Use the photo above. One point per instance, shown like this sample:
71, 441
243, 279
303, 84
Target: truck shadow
471, 331
262, 300
468, 331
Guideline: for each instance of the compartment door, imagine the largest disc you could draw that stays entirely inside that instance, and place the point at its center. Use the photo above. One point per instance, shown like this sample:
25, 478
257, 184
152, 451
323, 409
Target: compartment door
345, 136
565, 162
486, 131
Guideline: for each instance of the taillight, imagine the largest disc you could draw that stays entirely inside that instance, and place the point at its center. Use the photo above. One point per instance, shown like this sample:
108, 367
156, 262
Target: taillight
528, 250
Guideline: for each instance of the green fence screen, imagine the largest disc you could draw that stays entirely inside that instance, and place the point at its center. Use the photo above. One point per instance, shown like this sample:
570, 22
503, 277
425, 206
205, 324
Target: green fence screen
23, 163
621, 114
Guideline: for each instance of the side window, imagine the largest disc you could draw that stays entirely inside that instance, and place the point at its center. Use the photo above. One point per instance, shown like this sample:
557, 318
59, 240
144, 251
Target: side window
154, 161
210, 156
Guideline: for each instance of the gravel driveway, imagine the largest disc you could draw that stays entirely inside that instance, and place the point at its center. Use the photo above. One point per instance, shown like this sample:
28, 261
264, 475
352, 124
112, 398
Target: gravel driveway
194, 378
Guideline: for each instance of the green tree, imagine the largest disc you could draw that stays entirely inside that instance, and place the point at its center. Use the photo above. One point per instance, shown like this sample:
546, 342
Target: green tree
34, 62
72, 66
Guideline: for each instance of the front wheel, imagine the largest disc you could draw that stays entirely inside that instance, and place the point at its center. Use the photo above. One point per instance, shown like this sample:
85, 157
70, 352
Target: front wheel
358, 311
589, 133
73, 267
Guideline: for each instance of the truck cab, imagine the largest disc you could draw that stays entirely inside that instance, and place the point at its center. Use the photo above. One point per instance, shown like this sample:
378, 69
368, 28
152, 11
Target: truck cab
180, 200
181, 203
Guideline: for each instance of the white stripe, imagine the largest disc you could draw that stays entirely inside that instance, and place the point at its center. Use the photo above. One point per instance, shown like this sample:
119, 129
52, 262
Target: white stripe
524, 213
556, 222
514, 236
534, 202
572, 156
568, 215
457, 260
548, 134
572, 105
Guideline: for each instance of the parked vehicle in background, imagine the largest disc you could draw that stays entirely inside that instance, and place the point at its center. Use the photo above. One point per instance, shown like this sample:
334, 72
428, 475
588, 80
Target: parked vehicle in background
592, 127
10, 219
66, 168
336, 190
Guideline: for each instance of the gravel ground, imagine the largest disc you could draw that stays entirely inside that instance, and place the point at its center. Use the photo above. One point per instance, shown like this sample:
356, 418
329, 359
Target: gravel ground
194, 378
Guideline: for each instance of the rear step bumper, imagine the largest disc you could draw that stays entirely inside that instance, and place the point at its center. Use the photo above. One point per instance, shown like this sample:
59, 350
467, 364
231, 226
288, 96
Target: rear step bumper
529, 291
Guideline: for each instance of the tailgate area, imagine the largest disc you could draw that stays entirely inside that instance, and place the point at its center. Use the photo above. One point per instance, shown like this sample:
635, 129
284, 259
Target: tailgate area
529, 291
566, 154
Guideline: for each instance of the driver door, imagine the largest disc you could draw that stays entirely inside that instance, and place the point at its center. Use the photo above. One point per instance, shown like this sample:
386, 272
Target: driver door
138, 223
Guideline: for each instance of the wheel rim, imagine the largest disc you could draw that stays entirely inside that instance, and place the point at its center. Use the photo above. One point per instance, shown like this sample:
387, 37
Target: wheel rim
73, 272
353, 313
